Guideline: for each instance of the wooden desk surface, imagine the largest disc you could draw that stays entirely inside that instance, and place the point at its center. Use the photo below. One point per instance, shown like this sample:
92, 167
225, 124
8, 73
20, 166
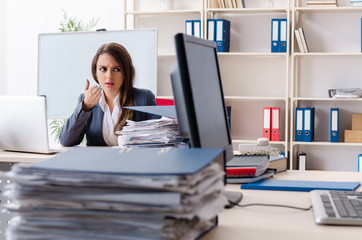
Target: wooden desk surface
261, 222
8, 156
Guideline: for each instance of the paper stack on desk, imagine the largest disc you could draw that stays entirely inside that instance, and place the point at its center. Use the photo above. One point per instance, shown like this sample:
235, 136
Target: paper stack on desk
153, 132
102, 193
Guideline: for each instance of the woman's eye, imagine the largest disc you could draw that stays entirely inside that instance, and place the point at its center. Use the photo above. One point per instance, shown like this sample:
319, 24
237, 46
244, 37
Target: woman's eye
117, 69
102, 69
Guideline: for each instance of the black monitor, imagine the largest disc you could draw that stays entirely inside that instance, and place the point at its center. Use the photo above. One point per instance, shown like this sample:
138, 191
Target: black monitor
199, 97
201, 93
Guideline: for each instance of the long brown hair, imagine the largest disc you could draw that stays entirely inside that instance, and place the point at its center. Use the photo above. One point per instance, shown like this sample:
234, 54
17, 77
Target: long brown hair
123, 58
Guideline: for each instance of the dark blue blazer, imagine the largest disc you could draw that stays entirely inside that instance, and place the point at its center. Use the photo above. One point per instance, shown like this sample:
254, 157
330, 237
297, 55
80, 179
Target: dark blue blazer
90, 123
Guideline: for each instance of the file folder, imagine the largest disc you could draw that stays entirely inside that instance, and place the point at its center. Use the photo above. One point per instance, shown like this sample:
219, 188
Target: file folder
267, 112
275, 129
275, 35
105, 160
211, 29
300, 186
222, 35
308, 129
299, 118
334, 125
283, 35
302, 161
166, 111
360, 163
188, 27
196, 28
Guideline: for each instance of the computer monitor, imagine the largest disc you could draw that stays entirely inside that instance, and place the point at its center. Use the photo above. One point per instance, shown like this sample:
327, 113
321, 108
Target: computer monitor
199, 99
199, 96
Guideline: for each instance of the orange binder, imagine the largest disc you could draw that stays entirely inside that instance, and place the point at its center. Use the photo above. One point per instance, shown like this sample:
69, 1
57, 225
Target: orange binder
267, 112
275, 129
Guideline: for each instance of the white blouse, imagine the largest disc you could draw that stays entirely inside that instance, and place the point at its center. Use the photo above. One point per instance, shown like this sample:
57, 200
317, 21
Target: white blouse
109, 120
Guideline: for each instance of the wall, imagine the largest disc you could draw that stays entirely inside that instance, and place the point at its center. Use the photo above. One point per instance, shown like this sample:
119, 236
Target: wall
3, 30
23, 24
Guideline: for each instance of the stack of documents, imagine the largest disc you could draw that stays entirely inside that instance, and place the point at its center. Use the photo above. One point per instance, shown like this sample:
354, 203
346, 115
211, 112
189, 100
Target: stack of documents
104, 193
153, 132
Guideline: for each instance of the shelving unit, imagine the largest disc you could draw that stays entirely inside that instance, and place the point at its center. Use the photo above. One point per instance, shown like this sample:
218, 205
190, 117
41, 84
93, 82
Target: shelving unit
334, 40
247, 89
254, 78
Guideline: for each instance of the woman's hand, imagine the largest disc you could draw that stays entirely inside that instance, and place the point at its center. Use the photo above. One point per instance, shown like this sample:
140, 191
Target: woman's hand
91, 96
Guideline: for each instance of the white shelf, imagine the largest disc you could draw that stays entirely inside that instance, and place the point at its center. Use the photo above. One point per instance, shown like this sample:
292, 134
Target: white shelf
326, 143
328, 9
327, 54
247, 10
237, 54
242, 98
246, 141
327, 99
170, 12
248, 54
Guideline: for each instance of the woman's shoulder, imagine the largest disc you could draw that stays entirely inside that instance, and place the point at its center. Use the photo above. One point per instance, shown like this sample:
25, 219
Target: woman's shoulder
142, 91
144, 97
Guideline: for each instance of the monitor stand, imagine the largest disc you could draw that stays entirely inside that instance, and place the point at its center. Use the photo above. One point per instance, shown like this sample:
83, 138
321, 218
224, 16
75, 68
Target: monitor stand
234, 198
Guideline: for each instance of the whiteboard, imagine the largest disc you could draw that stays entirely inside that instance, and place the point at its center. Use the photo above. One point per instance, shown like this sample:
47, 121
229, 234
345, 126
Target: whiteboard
64, 64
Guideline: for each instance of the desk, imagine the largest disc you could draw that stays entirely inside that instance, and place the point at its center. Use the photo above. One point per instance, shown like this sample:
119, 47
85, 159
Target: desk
13, 157
260, 222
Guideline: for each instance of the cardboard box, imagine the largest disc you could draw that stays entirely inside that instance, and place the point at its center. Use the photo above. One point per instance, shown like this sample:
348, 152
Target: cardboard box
357, 121
353, 136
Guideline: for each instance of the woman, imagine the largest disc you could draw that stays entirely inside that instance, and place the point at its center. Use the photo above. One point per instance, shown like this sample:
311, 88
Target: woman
99, 113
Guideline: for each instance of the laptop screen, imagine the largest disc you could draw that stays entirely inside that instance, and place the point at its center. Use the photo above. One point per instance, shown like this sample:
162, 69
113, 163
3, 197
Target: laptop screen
23, 124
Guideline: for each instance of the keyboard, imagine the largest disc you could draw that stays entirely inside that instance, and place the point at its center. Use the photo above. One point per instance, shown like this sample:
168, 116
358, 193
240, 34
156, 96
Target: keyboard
337, 207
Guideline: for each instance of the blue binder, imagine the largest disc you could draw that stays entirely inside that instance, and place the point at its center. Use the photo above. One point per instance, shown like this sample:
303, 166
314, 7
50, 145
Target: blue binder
211, 27
308, 127
299, 123
300, 186
222, 35
334, 125
279, 29
283, 35
196, 28
189, 27
275, 35
105, 160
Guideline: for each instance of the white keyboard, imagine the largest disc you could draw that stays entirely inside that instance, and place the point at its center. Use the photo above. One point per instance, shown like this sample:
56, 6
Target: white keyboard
337, 207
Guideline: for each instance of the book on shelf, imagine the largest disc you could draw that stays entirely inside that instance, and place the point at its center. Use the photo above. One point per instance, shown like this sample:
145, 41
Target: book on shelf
299, 40
229, 4
303, 40
280, 163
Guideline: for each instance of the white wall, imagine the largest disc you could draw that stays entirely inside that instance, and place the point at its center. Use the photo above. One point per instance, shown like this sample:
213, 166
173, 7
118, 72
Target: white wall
23, 24
3, 47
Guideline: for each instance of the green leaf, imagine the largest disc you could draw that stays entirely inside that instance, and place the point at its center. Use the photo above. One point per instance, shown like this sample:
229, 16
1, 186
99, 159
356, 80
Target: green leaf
69, 24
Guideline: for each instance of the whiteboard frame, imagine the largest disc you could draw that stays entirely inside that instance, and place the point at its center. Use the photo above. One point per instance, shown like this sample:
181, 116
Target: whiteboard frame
62, 95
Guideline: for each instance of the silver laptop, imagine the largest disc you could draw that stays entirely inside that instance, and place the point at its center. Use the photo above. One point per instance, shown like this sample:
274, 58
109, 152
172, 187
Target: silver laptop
23, 124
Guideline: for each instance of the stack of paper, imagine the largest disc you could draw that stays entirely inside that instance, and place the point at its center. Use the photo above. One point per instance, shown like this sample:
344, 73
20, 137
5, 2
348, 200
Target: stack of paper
154, 132
102, 193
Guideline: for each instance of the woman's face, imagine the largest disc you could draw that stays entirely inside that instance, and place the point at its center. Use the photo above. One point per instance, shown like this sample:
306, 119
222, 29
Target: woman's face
109, 74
